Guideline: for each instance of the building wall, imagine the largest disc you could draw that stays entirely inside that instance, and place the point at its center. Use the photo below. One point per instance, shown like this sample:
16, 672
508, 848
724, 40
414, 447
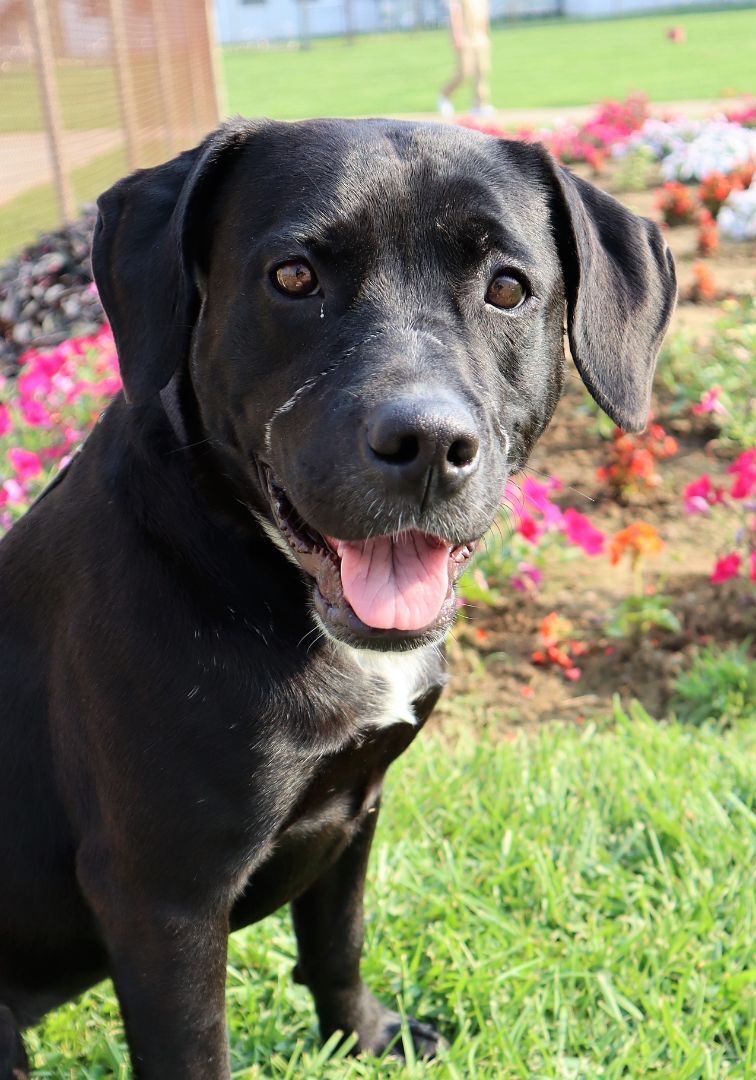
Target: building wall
256, 21
242, 21
280, 20
596, 9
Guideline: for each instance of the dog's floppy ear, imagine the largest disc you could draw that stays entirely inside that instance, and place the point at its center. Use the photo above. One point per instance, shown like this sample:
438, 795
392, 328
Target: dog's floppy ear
142, 258
621, 289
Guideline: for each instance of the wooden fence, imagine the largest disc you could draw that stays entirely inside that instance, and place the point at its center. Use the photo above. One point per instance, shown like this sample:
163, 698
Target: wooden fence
91, 89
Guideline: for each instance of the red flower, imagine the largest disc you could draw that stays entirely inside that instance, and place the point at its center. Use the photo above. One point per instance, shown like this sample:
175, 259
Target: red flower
744, 471
714, 190
632, 459
701, 494
704, 288
726, 568
528, 527
676, 204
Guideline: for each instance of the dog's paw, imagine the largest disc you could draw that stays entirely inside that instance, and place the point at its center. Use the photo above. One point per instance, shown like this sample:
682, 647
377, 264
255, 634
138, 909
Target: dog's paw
426, 1041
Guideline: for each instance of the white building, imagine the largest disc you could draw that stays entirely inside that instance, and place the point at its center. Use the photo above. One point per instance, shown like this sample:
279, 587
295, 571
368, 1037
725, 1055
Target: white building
258, 21
241, 21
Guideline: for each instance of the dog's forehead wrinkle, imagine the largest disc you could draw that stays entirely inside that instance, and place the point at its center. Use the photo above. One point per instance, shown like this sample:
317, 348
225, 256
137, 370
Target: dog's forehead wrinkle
394, 172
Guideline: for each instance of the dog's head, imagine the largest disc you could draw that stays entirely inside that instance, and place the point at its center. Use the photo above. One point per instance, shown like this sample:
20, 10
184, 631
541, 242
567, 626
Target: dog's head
369, 318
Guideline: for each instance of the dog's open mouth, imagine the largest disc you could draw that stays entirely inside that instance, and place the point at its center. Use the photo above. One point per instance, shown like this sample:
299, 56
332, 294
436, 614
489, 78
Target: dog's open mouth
386, 587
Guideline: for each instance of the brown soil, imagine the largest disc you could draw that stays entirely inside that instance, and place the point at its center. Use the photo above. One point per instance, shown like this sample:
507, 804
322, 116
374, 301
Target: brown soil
492, 646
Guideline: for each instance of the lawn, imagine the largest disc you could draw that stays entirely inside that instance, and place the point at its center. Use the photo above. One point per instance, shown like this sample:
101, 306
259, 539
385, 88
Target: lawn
36, 210
575, 903
535, 64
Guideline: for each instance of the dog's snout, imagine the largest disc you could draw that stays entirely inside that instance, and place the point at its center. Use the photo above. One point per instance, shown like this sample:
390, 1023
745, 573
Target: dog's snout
408, 437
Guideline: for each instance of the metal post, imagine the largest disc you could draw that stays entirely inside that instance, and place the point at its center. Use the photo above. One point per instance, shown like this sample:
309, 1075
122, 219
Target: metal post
163, 56
124, 81
216, 63
44, 57
304, 24
349, 22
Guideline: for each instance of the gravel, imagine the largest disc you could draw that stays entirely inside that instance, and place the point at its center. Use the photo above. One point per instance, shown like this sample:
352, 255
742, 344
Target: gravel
47, 293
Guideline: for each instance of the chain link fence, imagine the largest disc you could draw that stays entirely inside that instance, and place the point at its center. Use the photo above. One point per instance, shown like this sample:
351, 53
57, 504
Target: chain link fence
91, 89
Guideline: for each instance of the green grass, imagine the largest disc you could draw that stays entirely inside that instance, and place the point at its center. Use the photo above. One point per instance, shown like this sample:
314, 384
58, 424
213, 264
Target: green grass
36, 210
575, 904
535, 64
88, 97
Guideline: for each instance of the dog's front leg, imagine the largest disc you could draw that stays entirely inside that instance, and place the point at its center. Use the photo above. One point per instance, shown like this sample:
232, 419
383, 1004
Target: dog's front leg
169, 969
328, 920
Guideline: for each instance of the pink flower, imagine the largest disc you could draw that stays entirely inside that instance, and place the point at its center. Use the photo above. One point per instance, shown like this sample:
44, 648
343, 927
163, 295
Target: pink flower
582, 533
539, 497
35, 413
753, 566
700, 495
5, 420
710, 403
27, 464
12, 492
744, 471
726, 568
35, 382
528, 578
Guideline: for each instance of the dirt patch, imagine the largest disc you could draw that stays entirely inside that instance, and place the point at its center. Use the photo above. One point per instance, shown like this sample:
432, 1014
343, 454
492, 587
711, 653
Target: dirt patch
491, 652
492, 648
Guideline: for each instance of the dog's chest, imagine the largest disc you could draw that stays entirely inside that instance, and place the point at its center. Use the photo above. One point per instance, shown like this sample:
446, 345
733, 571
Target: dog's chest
396, 681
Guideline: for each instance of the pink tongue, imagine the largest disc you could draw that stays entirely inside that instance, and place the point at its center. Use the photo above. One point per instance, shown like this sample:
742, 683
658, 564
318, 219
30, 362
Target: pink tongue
395, 584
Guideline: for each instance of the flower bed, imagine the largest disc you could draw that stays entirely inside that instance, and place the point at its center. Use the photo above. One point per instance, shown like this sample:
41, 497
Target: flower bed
46, 412
616, 557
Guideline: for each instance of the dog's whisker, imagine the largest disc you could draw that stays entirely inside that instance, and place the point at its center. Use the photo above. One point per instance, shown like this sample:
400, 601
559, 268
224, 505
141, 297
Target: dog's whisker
568, 487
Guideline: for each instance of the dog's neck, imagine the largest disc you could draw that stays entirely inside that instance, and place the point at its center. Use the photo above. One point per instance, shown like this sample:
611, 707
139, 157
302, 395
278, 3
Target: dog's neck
169, 397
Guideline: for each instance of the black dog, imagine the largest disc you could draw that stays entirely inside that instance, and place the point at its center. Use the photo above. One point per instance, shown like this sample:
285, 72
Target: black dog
222, 623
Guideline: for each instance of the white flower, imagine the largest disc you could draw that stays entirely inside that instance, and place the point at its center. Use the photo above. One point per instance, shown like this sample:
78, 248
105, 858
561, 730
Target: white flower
719, 147
737, 218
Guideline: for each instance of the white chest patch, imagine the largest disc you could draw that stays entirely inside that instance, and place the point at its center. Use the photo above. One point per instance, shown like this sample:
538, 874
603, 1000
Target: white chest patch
404, 676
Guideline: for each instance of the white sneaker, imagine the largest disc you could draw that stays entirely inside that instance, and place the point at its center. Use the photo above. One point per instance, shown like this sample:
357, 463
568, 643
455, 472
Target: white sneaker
483, 110
445, 106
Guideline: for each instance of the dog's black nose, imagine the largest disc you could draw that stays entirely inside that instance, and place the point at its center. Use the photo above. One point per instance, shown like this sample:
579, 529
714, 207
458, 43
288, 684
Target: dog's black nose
409, 436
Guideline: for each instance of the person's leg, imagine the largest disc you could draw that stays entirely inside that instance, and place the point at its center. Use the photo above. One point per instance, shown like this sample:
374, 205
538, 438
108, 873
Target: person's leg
463, 72
482, 72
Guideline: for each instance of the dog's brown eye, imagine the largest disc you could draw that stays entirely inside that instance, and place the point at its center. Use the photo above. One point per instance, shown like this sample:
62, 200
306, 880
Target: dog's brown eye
297, 278
505, 292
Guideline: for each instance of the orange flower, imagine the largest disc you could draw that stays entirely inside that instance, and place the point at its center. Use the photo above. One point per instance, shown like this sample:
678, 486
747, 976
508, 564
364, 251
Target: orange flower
638, 539
555, 628
704, 288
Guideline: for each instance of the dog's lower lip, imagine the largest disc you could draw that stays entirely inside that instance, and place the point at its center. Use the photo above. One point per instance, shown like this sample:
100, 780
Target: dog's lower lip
319, 555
